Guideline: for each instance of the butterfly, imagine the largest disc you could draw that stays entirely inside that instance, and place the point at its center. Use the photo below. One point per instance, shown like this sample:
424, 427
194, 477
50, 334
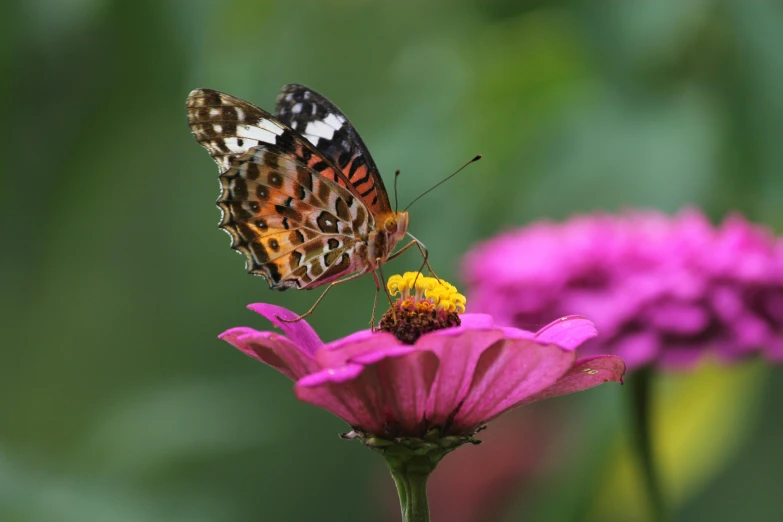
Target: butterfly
301, 197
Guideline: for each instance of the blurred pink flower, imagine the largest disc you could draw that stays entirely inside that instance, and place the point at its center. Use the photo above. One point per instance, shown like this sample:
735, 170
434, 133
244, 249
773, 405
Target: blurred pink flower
660, 289
453, 380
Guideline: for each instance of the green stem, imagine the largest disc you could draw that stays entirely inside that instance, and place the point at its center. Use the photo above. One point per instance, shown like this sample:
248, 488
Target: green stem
412, 489
641, 388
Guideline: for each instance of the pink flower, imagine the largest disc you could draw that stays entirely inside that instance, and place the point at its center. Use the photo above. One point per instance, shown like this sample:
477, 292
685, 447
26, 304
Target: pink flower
661, 289
452, 380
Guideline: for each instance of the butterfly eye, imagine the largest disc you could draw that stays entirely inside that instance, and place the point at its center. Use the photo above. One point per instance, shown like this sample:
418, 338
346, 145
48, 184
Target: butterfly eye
390, 225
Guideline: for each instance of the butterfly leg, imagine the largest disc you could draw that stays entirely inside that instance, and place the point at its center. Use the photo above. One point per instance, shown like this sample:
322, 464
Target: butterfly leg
424, 254
375, 300
378, 285
312, 308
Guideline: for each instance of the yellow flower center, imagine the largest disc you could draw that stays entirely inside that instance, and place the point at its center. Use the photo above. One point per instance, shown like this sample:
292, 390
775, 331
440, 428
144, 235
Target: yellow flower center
421, 288
425, 304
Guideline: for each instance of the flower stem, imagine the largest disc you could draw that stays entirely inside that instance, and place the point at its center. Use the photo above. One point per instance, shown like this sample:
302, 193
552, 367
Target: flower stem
641, 384
412, 489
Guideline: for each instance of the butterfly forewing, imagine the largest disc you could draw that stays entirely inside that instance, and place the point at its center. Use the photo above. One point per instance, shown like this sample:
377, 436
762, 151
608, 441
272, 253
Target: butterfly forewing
325, 126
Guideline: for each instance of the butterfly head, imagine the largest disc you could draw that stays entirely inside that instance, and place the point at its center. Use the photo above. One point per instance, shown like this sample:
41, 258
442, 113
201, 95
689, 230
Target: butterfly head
395, 226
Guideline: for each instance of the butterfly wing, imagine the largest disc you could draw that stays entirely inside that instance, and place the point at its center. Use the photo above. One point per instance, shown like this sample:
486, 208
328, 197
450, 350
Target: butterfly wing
325, 126
287, 208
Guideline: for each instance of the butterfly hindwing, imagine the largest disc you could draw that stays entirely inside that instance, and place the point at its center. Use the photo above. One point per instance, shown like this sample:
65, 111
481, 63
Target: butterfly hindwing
296, 228
320, 122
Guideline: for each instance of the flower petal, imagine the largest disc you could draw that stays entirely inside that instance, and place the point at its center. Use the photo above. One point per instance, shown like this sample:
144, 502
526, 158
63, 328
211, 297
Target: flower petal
299, 332
345, 350
476, 320
507, 374
387, 397
274, 349
344, 392
568, 332
458, 350
586, 373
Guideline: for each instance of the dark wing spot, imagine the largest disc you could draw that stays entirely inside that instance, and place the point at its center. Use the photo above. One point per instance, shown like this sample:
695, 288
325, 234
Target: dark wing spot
290, 213
211, 99
320, 166
274, 245
361, 216
323, 191
239, 189
305, 178
344, 159
296, 259
259, 252
261, 224
251, 171
327, 223
262, 192
358, 161
237, 211
342, 210
273, 273
271, 159
333, 243
240, 142
306, 154
229, 113
331, 257
285, 141
275, 179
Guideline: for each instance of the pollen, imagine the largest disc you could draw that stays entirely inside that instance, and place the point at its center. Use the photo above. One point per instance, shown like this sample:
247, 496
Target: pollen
436, 291
425, 304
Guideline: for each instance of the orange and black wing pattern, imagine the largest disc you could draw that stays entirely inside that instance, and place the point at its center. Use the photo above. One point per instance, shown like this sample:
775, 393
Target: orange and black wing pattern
321, 123
287, 207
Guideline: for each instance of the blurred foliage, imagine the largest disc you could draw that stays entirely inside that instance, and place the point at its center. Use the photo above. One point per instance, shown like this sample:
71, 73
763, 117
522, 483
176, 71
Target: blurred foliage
117, 402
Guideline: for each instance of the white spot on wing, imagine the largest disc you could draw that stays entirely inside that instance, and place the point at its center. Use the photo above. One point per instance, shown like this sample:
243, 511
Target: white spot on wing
296, 109
214, 113
319, 129
217, 128
264, 131
334, 121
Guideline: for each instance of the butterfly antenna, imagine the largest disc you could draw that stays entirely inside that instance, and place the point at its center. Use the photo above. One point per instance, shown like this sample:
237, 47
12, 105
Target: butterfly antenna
396, 175
441, 182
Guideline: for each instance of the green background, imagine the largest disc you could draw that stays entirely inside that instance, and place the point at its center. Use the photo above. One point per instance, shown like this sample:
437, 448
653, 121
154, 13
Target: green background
118, 402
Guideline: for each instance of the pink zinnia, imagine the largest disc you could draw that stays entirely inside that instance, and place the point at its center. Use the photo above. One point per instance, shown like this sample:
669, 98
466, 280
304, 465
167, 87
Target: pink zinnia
453, 380
660, 289
430, 378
